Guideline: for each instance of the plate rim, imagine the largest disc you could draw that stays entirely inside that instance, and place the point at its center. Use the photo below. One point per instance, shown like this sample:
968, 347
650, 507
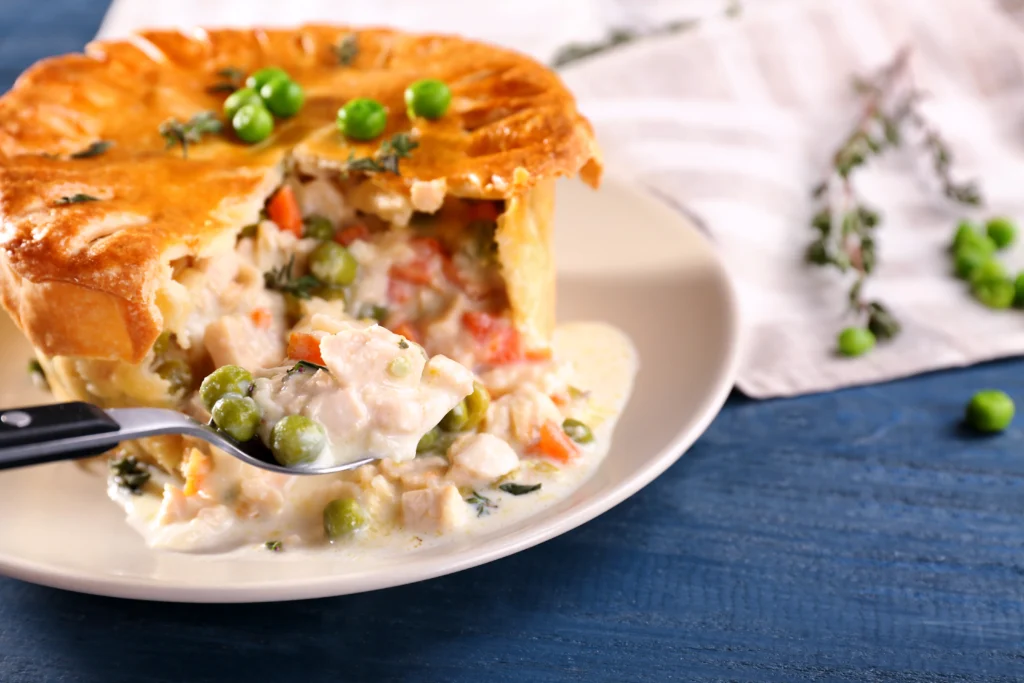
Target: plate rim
545, 529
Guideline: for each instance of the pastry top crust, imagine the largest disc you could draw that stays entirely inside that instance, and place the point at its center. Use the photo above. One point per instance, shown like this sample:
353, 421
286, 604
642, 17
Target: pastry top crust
83, 279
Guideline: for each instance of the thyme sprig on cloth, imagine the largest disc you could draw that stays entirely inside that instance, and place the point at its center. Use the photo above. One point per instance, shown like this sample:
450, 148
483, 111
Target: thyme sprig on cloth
845, 224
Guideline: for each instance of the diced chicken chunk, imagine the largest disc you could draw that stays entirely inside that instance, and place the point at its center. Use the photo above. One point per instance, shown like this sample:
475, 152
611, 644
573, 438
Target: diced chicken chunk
323, 198
235, 340
419, 473
380, 395
175, 506
520, 414
428, 195
262, 494
391, 206
375, 260
434, 510
478, 458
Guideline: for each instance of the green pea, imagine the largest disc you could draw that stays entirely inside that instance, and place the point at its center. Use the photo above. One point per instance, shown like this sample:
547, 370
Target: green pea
238, 99
855, 341
176, 372
362, 118
374, 312
995, 292
456, 419
296, 440
428, 98
257, 79
332, 264
318, 228
399, 367
330, 293
990, 410
972, 254
238, 416
292, 306
252, 123
283, 96
428, 441
991, 269
343, 517
162, 344
577, 431
1002, 231
1018, 286
476, 406
483, 246
966, 233
229, 379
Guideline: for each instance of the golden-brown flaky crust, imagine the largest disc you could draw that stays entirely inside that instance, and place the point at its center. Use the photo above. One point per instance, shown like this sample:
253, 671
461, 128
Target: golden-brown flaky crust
82, 279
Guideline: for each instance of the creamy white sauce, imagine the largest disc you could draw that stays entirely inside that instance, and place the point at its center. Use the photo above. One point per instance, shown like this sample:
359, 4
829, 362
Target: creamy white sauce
600, 360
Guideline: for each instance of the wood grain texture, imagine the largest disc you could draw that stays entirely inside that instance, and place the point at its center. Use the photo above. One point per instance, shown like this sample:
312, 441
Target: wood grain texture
852, 536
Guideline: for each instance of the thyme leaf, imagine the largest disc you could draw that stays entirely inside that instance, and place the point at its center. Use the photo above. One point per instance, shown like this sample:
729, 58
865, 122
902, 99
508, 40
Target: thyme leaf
364, 164
282, 280
95, 149
174, 132
386, 159
519, 489
223, 87
78, 198
233, 79
129, 474
347, 49
398, 146
483, 504
302, 366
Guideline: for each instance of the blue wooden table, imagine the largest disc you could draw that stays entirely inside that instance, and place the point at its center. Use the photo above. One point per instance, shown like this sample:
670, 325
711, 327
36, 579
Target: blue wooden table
852, 536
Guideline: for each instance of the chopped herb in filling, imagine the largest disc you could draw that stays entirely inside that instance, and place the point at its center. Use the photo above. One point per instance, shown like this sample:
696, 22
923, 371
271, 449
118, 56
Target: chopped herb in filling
129, 474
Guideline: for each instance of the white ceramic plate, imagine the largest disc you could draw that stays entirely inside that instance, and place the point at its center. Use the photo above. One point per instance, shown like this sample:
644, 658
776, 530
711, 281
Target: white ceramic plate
623, 257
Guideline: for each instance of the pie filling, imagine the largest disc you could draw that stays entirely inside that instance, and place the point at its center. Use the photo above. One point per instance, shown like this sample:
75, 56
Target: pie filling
389, 328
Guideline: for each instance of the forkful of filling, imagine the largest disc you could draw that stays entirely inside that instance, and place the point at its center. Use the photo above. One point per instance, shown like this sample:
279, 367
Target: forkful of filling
361, 393
365, 393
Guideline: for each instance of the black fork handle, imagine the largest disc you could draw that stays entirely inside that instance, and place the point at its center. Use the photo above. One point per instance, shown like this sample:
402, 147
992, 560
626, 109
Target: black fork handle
51, 427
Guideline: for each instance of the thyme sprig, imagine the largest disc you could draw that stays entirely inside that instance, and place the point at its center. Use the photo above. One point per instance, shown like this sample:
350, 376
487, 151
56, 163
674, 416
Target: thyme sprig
576, 51
282, 280
399, 146
618, 37
845, 224
482, 503
174, 132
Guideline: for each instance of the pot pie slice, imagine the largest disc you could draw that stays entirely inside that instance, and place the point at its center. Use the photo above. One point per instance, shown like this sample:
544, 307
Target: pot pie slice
145, 247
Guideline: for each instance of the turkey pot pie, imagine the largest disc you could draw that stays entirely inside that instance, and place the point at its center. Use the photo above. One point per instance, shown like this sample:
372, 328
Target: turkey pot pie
339, 299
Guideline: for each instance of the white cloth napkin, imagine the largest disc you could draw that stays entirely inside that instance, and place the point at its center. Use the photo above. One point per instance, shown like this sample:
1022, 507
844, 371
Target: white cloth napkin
735, 120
